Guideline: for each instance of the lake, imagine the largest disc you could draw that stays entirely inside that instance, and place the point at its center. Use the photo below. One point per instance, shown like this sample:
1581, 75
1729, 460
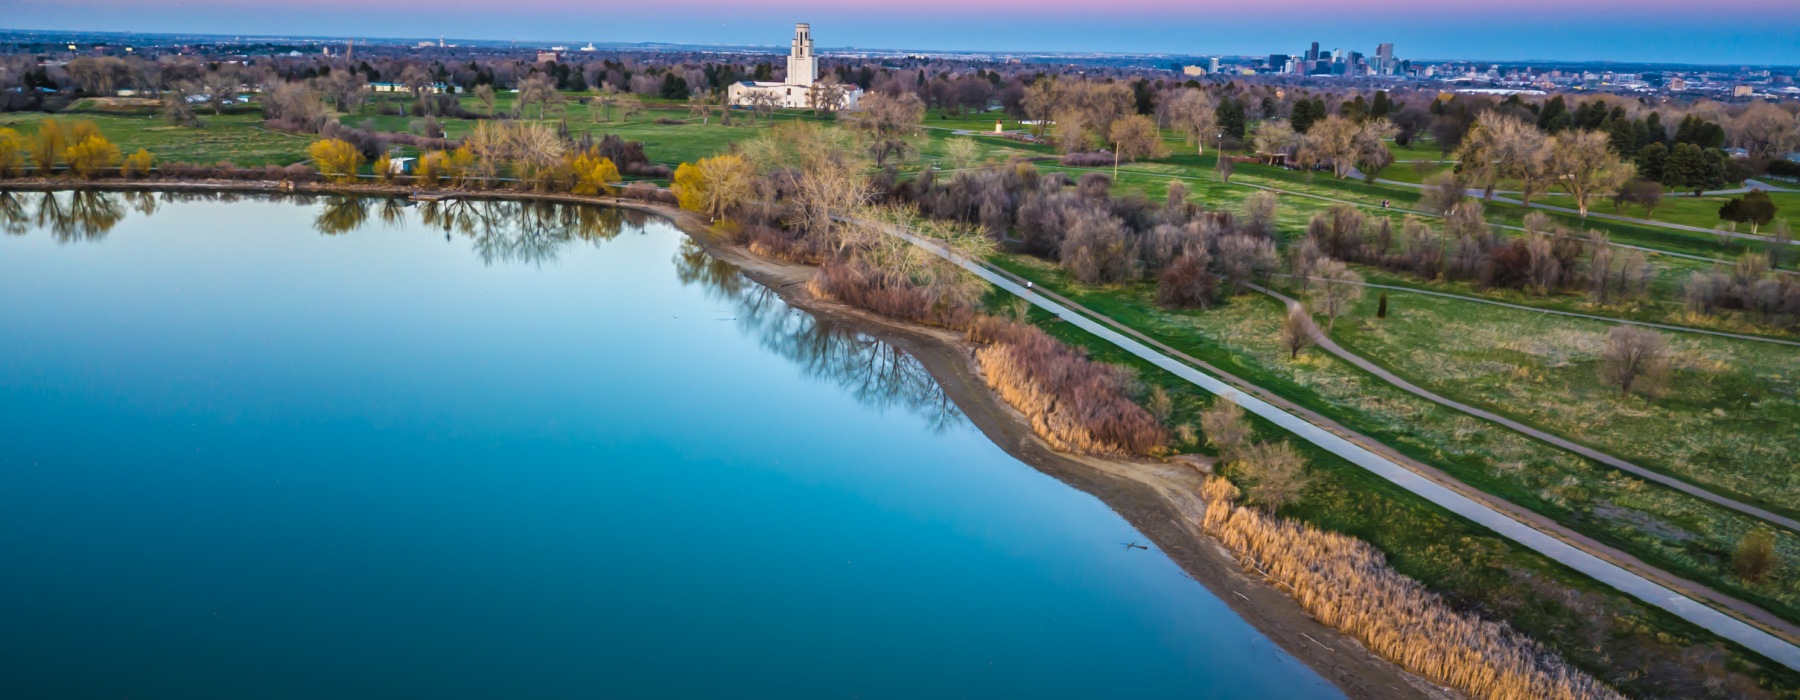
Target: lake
321, 447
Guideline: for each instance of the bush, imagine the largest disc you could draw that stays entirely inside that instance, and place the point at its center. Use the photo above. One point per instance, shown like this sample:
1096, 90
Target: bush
1087, 160
91, 157
139, 164
336, 159
1186, 283
1073, 403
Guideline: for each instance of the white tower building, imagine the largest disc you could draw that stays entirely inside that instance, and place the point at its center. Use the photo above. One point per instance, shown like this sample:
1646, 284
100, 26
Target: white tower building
802, 64
802, 86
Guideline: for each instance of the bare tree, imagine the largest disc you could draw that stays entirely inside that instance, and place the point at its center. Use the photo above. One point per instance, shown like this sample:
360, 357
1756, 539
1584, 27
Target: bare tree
1583, 163
1333, 288
1633, 356
1195, 114
485, 95
1276, 472
1297, 331
886, 122
1225, 428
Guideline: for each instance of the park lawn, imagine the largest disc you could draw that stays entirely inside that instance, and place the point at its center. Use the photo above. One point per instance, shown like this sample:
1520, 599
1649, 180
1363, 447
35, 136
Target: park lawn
1589, 625
1663, 304
1704, 211
1725, 418
1683, 534
239, 138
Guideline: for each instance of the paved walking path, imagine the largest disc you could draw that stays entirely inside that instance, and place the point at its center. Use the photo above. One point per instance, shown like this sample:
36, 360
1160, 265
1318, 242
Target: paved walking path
1559, 550
1324, 341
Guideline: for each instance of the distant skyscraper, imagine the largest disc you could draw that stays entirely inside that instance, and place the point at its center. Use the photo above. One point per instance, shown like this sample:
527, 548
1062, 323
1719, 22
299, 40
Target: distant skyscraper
1313, 55
1214, 65
1384, 59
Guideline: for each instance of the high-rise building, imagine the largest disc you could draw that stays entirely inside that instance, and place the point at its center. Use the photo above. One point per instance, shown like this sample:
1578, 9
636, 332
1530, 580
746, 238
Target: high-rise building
1313, 55
1384, 59
1214, 64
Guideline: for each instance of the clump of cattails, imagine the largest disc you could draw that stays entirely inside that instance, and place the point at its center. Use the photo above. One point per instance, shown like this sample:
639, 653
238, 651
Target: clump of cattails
1345, 583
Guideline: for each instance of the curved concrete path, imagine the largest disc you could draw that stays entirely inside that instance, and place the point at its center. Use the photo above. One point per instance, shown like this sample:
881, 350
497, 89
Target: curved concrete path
1325, 342
1607, 572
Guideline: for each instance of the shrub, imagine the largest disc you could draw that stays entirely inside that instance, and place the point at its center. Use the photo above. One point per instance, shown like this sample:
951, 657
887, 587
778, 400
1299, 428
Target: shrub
1186, 283
91, 157
139, 164
336, 159
1755, 557
12, 154
1087, 160
1073, 403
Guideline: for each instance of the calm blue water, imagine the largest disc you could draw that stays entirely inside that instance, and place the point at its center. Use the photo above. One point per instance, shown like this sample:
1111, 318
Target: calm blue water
546, 454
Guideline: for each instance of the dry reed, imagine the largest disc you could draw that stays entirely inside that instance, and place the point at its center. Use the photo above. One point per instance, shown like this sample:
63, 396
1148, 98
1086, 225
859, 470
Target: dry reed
1345, 583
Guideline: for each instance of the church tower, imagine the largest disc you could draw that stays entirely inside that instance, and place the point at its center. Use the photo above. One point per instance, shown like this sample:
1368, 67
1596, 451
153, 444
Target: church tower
802, 65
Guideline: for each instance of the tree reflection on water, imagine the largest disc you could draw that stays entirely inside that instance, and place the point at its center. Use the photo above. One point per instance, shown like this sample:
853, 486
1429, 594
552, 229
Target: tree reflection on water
526, 232
70, 217
872, 371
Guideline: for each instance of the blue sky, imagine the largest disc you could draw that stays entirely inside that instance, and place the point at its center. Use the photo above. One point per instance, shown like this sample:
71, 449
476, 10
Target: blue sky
1720, 31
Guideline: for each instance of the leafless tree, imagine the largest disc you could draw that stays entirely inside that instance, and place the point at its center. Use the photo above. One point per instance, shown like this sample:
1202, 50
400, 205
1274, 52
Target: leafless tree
1333, 288
1276, 472
1225, 428
1634, 356
1297, 330
1583, 163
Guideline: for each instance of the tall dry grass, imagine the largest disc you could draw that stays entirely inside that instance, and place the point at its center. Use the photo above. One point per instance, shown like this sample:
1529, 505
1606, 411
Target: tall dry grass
1346, 583
1074, 403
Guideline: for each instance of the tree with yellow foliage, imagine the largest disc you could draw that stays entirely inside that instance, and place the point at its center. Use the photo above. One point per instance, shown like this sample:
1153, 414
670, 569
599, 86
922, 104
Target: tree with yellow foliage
689, 187
728, 179
12, 154
594, 174
139, 164
430, 168
91, 157
336, 159
384, 168
46, 145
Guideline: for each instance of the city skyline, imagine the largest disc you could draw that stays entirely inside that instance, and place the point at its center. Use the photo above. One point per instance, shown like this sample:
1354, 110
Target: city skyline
1660, 31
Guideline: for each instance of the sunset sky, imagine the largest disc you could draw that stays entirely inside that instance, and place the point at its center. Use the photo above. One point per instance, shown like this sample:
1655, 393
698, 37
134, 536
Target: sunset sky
1719, 31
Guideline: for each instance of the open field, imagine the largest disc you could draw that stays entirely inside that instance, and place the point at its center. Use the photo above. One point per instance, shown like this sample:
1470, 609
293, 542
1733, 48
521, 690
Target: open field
1724, 420
239, 138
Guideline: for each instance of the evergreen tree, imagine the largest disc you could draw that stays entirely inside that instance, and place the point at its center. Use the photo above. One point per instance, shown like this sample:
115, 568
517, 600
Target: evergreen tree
1555, 117
1754, 208
1230, 113
674, 87
1302, 118
1691, 167
1382, 106
1651, 161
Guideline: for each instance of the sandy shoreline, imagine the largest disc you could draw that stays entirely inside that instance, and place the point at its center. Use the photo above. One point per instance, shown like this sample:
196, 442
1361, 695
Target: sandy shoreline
1159, 499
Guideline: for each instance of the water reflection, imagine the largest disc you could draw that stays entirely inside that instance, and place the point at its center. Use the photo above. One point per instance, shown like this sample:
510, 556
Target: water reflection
500, 231
525, 232
68, 216
873, 372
